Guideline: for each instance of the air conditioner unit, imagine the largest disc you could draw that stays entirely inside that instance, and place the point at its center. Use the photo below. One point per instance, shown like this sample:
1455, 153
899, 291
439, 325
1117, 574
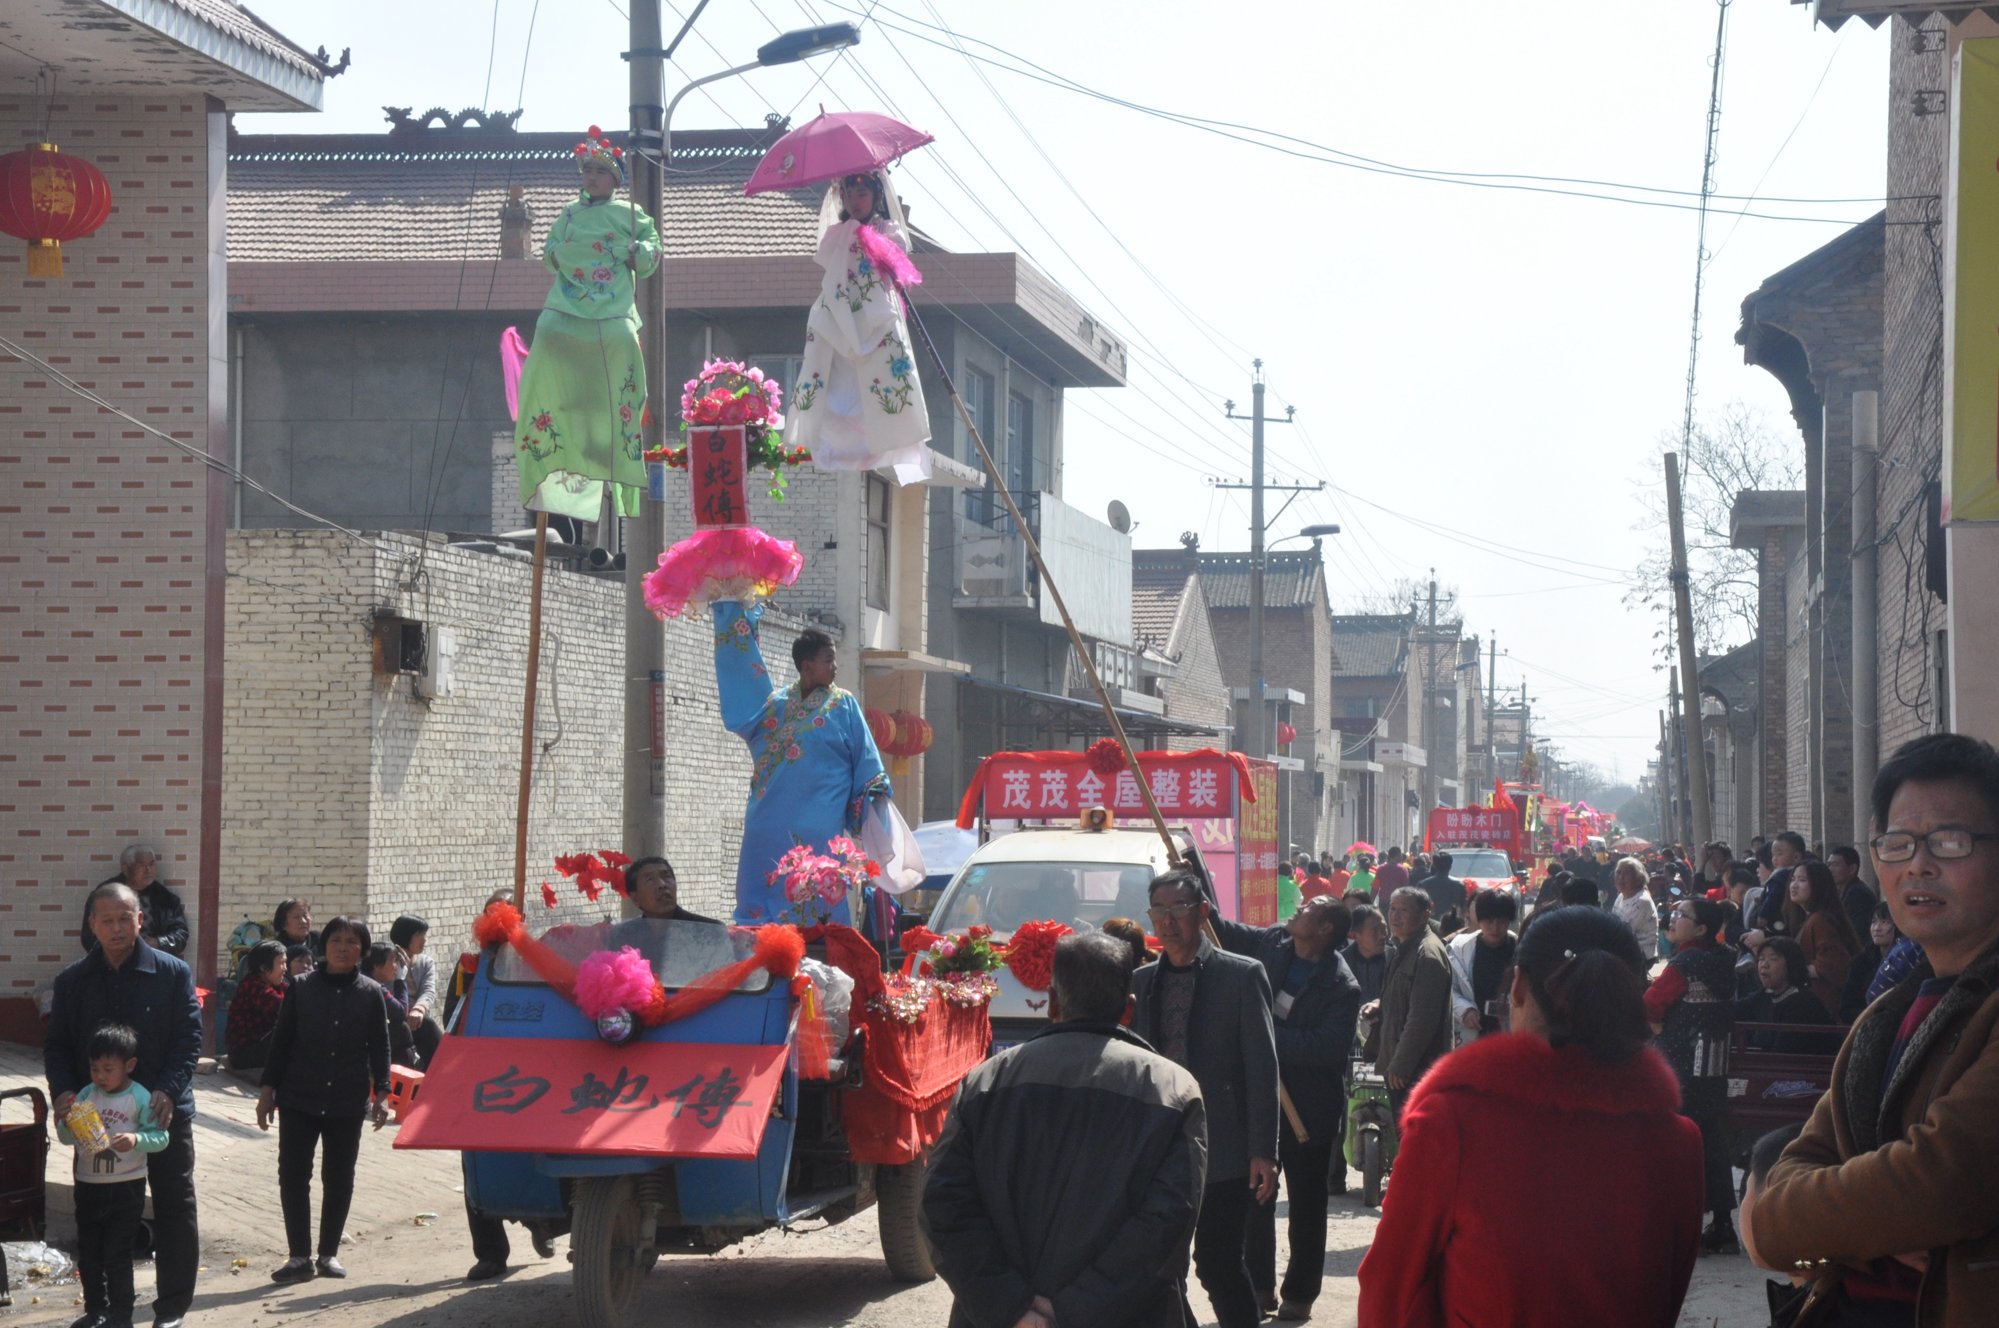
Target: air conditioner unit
440, 659
992, 567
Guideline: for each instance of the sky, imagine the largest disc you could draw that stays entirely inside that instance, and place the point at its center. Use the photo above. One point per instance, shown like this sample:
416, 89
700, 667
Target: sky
1482, 376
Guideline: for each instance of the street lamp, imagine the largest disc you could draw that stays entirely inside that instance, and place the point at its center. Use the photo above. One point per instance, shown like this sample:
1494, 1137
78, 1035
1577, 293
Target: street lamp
645, 635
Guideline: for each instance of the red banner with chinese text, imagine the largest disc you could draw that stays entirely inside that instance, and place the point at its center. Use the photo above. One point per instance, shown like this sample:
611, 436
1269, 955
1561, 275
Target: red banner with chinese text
1497, 827
1049, 785
1259, 849
717, 464
644, 1099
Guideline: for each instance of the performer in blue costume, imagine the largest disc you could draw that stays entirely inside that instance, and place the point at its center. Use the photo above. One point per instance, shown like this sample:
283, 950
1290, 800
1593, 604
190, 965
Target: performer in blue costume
816, 766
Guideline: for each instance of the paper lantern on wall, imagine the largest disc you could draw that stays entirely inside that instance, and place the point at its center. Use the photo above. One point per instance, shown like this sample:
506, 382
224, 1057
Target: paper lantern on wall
46, 197
912, 735
1286, 734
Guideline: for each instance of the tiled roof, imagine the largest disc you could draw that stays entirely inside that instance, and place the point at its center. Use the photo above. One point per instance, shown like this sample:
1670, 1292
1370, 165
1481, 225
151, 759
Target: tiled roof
1290, 580
239, 23
1156, 596
438, 193
1370, 645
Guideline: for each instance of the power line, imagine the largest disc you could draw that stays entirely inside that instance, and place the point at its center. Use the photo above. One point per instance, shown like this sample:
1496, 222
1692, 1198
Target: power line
1306, 149
71, 385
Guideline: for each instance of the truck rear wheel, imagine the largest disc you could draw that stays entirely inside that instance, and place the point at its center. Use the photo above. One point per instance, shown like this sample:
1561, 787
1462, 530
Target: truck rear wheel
604, 1246
898, 1197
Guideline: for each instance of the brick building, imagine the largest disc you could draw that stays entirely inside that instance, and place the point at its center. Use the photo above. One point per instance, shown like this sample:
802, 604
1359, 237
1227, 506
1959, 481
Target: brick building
357, 782
1298, 679
1816, 328
111, 584
1863, 352
373, 373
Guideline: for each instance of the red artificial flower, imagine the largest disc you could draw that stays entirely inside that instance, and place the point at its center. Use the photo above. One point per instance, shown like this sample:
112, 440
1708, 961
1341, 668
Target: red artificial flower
573, 864
614, 858
590, 886
1030, 955
618, 153
596, 132
548, 894
977, 930
1104, 756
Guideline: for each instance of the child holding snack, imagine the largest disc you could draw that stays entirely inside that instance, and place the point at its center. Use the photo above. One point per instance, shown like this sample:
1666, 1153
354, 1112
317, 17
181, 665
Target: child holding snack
112, 1128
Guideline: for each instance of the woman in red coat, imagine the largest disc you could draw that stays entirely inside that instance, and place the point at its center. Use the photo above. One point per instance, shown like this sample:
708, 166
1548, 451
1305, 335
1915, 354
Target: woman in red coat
1573, 1116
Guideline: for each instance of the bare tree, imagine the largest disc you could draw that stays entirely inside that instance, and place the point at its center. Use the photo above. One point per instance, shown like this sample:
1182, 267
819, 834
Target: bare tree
1729, 453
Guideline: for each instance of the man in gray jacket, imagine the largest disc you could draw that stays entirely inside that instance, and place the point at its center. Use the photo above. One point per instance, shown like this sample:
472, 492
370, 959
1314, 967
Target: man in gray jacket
1415, 997
1065, 1185
1209, 1010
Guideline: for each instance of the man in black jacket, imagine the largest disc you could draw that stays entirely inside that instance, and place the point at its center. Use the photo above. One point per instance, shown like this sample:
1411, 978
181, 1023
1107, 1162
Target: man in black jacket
125, 980
1209, 1010
1448, 895
1064, 1188
1315, 1003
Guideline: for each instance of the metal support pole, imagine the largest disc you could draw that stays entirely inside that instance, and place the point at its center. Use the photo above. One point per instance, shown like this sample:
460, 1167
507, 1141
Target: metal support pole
1259, 725
645, 636
1696, 749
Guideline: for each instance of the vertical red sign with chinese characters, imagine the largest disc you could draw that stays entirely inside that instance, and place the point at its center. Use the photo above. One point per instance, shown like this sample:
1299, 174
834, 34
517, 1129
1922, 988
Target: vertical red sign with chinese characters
717, 462
1257, 851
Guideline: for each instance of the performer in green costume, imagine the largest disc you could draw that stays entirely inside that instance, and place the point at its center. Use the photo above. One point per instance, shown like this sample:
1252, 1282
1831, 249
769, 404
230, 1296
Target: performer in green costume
583, 389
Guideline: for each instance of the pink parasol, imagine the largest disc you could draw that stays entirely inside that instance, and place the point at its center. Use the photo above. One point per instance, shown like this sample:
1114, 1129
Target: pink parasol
830, 146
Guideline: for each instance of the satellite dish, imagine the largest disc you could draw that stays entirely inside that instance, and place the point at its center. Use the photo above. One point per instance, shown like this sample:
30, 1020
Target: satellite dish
1120, 517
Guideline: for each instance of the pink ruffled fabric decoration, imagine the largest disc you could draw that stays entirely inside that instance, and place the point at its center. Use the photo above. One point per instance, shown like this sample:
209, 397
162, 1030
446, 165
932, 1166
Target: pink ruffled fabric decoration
888, 256
736, 562
606, 982
513, 358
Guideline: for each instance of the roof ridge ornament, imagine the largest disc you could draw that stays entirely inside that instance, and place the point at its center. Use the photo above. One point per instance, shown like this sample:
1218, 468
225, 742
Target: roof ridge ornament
402, 122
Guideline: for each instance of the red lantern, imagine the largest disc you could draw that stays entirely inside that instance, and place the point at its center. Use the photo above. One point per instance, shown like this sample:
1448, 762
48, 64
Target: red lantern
882, 725
47, 197
1286, 734
912, 735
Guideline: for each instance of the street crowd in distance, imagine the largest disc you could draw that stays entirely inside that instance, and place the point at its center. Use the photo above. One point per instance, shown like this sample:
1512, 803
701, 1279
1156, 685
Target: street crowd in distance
1558, 1099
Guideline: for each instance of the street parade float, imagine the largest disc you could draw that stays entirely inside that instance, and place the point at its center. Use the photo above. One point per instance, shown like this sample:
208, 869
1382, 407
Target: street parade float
668, 1082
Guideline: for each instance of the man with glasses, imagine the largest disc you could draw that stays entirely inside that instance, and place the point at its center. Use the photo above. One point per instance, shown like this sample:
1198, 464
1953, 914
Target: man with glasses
1887, 1198
1209, 1011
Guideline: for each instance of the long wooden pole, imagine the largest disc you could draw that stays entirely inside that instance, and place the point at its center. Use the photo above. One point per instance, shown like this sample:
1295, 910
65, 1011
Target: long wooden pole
1690, 687
527, 712
1291, 1115
1054, 592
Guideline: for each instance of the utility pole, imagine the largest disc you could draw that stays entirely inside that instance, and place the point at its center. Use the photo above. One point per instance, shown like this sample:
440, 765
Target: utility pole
1665, 778
1702, 829
1259, 728
1491, 707
645, 635
1430, 706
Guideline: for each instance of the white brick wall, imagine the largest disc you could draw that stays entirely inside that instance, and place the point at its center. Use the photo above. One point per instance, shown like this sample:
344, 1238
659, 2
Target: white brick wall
103, 570
343, 786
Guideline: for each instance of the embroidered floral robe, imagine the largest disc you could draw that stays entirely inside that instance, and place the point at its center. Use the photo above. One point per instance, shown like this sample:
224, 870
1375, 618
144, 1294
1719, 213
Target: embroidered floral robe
814, 763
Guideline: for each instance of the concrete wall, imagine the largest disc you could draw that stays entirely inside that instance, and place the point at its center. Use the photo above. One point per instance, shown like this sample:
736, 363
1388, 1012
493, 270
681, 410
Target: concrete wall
344, 786
105, 579
380, 422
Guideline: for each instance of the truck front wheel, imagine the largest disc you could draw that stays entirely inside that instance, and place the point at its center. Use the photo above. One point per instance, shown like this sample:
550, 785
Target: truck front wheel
604, 1247
898, 1197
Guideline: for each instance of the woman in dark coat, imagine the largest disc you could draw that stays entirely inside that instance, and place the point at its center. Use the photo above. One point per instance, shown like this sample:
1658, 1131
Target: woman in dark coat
329, 1073
1692, 1010
1463, 1234
1783, 998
